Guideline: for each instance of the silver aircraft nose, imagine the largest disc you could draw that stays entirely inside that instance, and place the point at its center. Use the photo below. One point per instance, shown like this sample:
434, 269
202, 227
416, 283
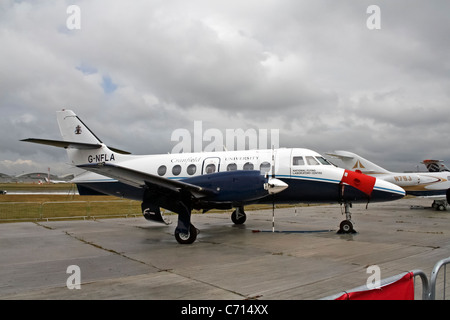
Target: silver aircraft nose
275, 185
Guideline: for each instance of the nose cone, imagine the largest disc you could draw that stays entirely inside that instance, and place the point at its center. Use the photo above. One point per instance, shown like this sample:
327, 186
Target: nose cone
386, 191
275, 185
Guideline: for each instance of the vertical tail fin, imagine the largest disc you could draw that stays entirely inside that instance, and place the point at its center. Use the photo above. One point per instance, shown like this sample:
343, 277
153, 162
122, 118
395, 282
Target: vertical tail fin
73, 129
435, 165
82, 145
355, 162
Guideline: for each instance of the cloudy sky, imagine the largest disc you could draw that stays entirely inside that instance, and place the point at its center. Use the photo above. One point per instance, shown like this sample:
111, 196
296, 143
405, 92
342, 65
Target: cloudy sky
135, 71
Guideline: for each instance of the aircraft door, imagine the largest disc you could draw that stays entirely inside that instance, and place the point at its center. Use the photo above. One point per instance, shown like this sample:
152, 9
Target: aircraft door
211, 165
282, 162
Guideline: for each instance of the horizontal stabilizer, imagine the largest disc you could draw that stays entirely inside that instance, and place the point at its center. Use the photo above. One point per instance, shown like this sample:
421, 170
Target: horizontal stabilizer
71, 144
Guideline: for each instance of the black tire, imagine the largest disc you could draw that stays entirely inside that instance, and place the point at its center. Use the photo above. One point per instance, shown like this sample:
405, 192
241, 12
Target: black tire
183, 239
346, 227
241, 219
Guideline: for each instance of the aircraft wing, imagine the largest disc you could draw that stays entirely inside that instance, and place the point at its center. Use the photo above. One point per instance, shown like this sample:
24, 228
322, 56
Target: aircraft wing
139, 179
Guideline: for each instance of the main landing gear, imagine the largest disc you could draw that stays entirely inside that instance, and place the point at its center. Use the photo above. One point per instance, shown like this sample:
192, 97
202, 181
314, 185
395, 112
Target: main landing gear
440, 205
238, 217
180, 203
186, 238
346, 225
185, 232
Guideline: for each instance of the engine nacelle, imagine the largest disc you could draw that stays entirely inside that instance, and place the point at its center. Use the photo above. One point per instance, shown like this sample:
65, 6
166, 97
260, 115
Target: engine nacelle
233, 186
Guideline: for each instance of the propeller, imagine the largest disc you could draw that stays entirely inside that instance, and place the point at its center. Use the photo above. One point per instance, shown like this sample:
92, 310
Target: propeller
274, 186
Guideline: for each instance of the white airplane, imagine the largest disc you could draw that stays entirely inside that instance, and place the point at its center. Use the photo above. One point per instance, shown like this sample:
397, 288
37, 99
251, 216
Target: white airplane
222, 180
55, 181
435, 185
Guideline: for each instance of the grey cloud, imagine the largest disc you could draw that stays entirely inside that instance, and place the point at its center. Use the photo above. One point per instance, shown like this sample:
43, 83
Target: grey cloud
309, 68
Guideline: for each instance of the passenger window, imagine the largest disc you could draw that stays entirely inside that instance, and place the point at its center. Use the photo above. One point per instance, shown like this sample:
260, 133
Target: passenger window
191, 169
264, 167
176, 170
298, 161
248, 166
210, 168
312, 161
324, 161
232, 167
162, 170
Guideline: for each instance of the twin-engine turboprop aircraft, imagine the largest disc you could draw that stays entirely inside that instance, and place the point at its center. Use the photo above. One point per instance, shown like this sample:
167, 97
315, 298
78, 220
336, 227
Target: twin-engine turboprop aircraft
221, 180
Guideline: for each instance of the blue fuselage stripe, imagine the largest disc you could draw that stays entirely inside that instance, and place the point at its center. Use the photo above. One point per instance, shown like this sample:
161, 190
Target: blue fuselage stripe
301, 189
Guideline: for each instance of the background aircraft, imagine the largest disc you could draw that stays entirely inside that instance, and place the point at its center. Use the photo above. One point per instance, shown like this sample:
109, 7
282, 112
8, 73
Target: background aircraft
56, 181
207, 180
435, 185
435, 165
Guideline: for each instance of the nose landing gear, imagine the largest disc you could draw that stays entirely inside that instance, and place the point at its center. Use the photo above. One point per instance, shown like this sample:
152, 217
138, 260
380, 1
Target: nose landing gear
346, 226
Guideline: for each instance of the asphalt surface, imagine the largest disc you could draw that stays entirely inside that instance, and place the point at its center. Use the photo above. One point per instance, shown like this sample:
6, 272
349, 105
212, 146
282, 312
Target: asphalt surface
131, 258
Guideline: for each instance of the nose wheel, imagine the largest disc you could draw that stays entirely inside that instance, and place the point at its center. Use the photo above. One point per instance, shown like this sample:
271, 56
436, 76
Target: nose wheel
238, 216
346, 225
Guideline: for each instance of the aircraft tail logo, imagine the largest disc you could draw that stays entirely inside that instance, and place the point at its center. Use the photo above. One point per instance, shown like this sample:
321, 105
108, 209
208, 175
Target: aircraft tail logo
358, 165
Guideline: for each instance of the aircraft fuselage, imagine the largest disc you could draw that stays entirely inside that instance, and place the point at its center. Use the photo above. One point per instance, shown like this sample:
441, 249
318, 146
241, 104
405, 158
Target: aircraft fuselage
310, 177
